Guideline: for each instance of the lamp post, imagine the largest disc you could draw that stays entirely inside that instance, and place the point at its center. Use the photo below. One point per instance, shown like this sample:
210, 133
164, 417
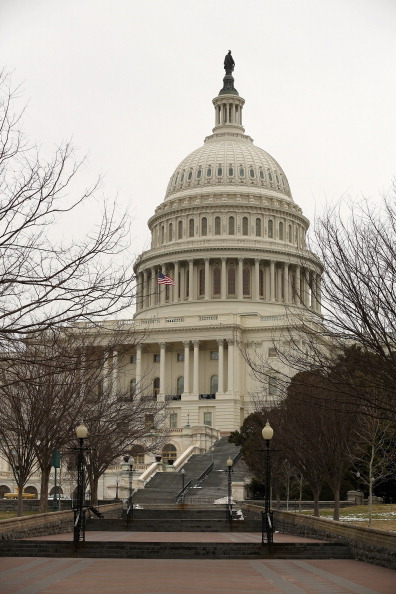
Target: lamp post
79, 512
116, 494
229, 506
212, 450
183, 475
127, 467
267, 528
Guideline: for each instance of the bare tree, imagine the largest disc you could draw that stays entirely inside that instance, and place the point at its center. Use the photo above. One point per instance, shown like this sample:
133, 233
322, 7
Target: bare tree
47, 281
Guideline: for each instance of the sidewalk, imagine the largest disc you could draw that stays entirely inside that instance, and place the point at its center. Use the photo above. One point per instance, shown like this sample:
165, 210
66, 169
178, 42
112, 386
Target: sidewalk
172, 576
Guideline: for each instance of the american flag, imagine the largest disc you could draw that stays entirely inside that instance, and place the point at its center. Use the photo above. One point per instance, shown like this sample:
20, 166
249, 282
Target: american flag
165, 280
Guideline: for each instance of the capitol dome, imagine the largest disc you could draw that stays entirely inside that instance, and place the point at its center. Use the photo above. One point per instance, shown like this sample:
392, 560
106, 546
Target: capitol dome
228, 160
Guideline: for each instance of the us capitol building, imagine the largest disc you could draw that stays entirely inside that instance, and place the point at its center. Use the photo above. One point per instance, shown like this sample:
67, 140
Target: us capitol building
230, 236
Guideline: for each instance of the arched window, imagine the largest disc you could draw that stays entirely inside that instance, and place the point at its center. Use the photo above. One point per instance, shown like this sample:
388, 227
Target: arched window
132, 388
281, 231
199, 173
182, 178
180, 385
231, 280
180, 230
270, 176
189, 177
290, 237
231, 226
191, 228
230, 171
204, 226
241, 171
214, 384
137, 451
262, 175
156, 386
245, 226
219, 171
217, 226
162, 234
270, 229
251, 172
258, 227
169, 452
216, 280
170, 232
261, 282
246, 281
201, 282
187, 275
209, 171
272, 385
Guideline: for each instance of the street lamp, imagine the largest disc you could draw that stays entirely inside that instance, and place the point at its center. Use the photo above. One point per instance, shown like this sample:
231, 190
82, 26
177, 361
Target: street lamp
183, 475
267, 528
212, 450
128, 469
229, 506
79, 511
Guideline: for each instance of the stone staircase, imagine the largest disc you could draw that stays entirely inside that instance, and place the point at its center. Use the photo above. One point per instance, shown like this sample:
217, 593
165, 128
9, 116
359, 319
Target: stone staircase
165, 486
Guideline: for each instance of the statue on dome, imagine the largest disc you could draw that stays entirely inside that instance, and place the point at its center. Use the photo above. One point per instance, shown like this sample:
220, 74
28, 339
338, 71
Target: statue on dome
229, 63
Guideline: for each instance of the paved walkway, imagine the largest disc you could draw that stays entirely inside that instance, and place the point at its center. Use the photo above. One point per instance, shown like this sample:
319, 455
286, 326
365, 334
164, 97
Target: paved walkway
206, 576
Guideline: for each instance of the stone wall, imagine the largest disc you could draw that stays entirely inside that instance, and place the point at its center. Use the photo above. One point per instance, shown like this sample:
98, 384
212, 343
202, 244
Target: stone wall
366, 544
49, 523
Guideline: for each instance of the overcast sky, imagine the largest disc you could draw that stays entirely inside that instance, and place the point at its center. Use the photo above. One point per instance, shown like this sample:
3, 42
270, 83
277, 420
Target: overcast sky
131, 82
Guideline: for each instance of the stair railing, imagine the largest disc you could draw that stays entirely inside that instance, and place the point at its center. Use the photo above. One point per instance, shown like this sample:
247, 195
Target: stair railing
204, 474
180, 496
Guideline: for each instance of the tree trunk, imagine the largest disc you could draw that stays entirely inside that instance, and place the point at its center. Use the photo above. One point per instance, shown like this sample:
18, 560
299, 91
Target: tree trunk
336, 492
94, 484
20, 501
45, 475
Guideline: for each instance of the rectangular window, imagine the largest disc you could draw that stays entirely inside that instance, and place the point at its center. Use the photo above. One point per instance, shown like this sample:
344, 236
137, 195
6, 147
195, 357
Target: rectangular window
156, 358
272, 386
133, 359
207, 419
180, 356
214, 355
173, 420
149, 421
272, 352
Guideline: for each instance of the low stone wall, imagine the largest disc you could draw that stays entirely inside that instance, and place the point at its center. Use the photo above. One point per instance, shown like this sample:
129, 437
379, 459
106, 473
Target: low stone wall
49, 523
366, 544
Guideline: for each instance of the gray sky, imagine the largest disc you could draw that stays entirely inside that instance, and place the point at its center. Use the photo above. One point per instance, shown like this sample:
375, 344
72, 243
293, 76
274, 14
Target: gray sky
131, 82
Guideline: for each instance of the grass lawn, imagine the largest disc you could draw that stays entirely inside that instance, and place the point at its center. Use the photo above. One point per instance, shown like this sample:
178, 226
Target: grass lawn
383, 516
5, 515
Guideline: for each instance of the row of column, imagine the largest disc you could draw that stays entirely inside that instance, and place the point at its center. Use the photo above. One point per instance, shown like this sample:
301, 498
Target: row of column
284, 282
195, 367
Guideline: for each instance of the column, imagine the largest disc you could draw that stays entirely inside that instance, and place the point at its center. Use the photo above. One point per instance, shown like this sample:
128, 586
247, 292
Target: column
105, 371
153, 286
272, 280
162, 367
196, 367
114, 373
207, 279
162, 289
138, 369
224, 278
145, 289
186, 366
176, 288
297, 299
318, 293
139, 291
240, 279
286, 282
190, 279
230, 386
256, 279
220, 372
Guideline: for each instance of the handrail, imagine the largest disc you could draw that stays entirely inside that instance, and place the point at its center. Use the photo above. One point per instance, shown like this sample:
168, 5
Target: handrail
182, 493
204, 474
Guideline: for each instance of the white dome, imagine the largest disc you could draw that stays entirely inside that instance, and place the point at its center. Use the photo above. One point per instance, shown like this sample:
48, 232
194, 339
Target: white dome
229, 162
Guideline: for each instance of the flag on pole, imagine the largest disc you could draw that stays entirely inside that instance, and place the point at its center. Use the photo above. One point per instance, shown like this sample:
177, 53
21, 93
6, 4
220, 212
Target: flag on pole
165, 280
